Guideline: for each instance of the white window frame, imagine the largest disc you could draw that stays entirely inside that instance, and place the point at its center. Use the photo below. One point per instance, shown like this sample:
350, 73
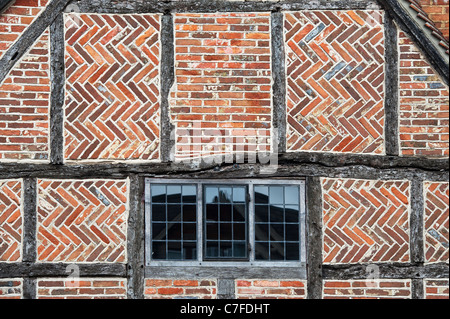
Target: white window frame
250, 183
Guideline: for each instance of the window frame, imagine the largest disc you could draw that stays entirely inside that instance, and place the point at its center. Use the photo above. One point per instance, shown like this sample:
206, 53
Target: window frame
249, 184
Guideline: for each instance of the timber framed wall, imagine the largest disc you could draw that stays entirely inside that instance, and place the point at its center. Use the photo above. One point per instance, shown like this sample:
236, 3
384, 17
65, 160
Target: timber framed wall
72, 206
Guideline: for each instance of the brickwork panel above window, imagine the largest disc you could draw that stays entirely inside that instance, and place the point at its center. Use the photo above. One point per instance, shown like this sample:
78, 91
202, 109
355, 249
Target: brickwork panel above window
221, 102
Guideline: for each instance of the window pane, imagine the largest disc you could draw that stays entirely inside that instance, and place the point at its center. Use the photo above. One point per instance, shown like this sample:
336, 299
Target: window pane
212, 231
174, 194
276, 214
276, 232
211, 195
190, 250
239, 231
262, 251
174, 222
276, 195
158, 212
212, 249
226, 249
159, 250
174, 213
225, 231
262, 232
158, 194
189, 194
189, 213
239, 212
277, 228
225, 195
158, 231
292, 232
291, 214
262, 213
189, 231
291, 195
292, 251
239, 194
276, 251
240, 249
174, 251
212, 212
225, 213
261, 195
174, 231
226, 221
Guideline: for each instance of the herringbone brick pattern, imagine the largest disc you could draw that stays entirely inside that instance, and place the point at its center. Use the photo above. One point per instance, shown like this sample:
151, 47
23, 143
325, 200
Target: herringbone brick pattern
271, 289
335, 81
11, 221
16, 19
82, 288
112, 106
436, 221
24, 106
367, 289
11, 288
221, 102
180, 288
436, 289
82, 221
365, 221
424, 100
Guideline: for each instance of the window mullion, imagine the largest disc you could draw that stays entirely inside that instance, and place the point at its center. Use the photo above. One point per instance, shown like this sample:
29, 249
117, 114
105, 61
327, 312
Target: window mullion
200, 222
251, 221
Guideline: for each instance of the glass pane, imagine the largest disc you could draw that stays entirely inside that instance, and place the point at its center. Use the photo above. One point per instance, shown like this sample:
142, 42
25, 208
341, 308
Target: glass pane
262, 213
225, 195
276, 251
276, 214
189, 213
239, 194
212, 231
226, 249
159, 231
262, 251
239, 232
174, 231
276, 195
225, 231
158, 193
174, 194
291, 214
212, 212
262, 232
240, 249
292, 251
225, 213
174, 213
159, 250
276, 232
158, 212
211, 195
174, 251
189, 194
292, 232
239, 213
212, 249
189, 231
291, 195
262, 195
189, 250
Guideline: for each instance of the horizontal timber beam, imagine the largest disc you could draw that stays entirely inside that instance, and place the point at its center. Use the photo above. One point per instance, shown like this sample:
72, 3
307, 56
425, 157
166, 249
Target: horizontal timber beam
154, 6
